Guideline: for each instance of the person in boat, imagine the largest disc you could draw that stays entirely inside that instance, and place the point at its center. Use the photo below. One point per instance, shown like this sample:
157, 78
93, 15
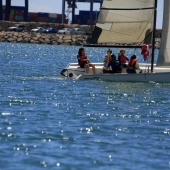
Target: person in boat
114, 65
107, 58
84, 61
132, 64
122, 58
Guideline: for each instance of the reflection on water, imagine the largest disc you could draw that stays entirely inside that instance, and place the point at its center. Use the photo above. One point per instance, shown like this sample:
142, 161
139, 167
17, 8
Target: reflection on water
54, 123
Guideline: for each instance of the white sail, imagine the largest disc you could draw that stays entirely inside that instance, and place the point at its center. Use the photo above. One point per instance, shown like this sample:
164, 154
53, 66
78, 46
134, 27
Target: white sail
164, 53
125, 21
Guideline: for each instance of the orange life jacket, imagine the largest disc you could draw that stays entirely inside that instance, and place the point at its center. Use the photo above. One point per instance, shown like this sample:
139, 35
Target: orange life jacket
122, 59
132, 63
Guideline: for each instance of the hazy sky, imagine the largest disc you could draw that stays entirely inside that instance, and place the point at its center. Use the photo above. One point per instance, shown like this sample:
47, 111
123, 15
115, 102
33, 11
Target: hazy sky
55, 6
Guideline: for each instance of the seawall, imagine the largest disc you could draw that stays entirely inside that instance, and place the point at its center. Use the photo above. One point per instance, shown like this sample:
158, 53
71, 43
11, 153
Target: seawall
42, 38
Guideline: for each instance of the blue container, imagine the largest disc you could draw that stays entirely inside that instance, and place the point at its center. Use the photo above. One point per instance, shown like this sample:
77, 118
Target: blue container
52, 20
42, 14
85, 15
76, 17
19, 18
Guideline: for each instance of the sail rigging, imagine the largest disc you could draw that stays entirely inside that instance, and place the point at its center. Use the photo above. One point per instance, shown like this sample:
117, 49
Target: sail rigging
124, 21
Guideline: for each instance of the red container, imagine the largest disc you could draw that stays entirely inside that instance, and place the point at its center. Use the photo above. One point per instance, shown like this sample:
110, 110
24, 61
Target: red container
42, 19
32, 14
11, 18
59, 20
59, 15
19, 12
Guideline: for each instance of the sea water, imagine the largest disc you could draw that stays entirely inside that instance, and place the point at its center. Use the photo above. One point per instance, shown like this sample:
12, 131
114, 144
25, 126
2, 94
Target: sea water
47, 122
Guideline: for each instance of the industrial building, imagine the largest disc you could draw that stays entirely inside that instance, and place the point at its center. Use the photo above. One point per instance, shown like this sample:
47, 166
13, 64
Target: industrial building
21, 13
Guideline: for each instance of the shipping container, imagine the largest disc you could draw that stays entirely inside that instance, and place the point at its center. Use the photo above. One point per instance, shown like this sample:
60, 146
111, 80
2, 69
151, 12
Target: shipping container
3, 16
60, 16
33, 19
19, 12
76, 17
42, 14
42, 19
52, 20
12, 12
11, 19
78, 21
86, 15
32, 14
59, 20
91, 22
52, 15
19, 18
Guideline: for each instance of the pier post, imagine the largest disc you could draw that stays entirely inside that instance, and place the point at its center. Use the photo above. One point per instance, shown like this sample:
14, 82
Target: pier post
73, 11
63, 12
1, 10
7, 11
91, 12
26, 11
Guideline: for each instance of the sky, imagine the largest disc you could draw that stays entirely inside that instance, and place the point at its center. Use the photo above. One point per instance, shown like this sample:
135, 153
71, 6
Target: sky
55, 6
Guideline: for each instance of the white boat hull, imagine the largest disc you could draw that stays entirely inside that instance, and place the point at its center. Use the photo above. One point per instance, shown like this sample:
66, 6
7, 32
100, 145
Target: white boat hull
160, 74
124, 77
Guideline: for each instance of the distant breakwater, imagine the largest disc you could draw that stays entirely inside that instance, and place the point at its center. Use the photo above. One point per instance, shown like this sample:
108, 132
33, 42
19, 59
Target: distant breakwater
42, 38
51, 38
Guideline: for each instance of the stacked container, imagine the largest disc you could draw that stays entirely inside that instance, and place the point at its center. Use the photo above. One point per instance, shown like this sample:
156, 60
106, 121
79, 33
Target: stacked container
43, 17
84, 17
33, 17
52, 18
12, 15
19, 15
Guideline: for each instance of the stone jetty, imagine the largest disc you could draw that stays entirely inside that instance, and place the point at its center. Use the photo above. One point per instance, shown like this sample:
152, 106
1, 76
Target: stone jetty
42, 38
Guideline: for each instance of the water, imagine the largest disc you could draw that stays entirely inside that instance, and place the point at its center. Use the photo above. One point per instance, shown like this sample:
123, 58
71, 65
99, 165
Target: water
47, 122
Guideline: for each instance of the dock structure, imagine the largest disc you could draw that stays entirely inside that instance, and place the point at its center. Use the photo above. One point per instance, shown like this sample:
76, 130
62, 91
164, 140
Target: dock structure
71, 4
9, 7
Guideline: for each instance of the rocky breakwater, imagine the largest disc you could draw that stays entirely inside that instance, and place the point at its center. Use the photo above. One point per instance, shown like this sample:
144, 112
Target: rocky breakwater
41, 38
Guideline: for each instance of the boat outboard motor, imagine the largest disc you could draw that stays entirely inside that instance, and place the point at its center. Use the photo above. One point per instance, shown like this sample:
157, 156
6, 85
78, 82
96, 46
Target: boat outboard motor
68, 73
64, 71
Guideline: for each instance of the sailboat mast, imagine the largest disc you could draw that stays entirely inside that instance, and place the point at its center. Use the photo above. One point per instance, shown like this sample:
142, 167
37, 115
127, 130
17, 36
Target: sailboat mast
153, 36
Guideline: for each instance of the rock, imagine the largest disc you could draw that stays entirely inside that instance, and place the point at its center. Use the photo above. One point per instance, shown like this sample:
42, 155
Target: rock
60, 41
67, 41
67, 37
11, 39
6, 37
73, 39
20, 39
15, 34
34, 42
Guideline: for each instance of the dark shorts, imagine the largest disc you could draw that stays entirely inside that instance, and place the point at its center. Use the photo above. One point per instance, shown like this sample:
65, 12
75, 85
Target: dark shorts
128, 70
83, 64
